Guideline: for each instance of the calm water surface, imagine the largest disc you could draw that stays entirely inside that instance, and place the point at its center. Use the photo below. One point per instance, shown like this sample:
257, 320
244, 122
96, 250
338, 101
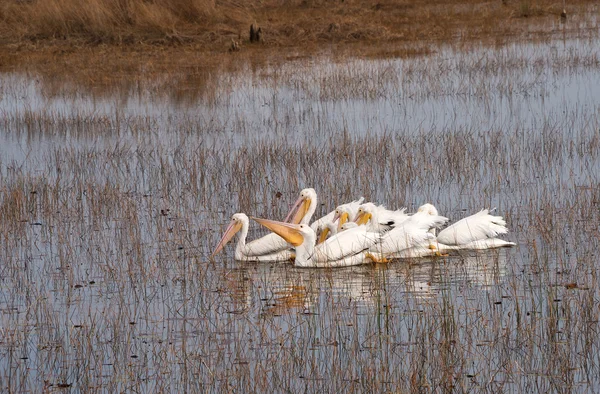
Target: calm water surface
518, 86
113, 203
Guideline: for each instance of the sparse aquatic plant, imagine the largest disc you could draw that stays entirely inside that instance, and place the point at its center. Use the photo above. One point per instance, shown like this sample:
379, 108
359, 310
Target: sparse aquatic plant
109, 213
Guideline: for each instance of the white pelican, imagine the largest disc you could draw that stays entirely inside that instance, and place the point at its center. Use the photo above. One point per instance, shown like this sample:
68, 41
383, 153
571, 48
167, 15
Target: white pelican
334, 215
345, 249
304, 207
477, 231
347, 212
378, 218
411, 238
331, 229
253, 251
429, 209
301, 212
347, 226
323, 225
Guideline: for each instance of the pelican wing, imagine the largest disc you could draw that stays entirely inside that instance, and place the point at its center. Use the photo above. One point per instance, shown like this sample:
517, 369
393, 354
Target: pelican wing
283, 255
269, 244
348, 261
346, 243
401, 238
489, 243
391, 218
481, 244
477, 227
425, 221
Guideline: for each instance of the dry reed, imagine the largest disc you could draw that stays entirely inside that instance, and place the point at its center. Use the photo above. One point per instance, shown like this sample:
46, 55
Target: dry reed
108, 215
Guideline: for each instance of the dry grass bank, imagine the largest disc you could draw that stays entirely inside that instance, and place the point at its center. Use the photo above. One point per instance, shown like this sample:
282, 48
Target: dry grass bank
284, 22
103, 43
212, 25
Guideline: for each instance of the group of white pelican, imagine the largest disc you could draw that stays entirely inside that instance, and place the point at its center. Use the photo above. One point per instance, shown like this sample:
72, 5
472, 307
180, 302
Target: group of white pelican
360, 233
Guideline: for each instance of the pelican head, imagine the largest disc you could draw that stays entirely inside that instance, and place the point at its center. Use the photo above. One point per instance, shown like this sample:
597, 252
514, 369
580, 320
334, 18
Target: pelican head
304, 207
428, 209
349, 225
346, 212
342, 215
237, 223
330, 228
365, 213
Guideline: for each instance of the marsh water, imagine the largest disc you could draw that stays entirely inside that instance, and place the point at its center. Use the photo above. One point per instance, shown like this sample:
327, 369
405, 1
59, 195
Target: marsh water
111, 202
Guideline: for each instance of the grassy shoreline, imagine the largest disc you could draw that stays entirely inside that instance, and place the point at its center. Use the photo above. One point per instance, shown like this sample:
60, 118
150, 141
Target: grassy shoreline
76, 35
213, 25
103, 45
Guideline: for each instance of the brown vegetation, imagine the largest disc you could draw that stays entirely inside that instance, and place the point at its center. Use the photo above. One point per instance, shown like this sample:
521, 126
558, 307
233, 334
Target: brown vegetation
209, 25
124, 235
287, 23
100, 43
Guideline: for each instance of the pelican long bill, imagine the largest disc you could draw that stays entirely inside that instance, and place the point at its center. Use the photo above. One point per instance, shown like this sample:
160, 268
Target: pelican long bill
287, 231
324, 234
232, 229
342, 219
298, 211
362, 218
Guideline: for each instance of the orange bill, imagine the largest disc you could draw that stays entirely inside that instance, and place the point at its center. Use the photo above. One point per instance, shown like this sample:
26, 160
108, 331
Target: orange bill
363, 218
323, 237
298, 211
288, 231
343, 219
232, 229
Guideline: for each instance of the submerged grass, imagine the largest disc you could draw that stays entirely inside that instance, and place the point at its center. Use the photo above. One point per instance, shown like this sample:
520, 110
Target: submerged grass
108, 214
108, 286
